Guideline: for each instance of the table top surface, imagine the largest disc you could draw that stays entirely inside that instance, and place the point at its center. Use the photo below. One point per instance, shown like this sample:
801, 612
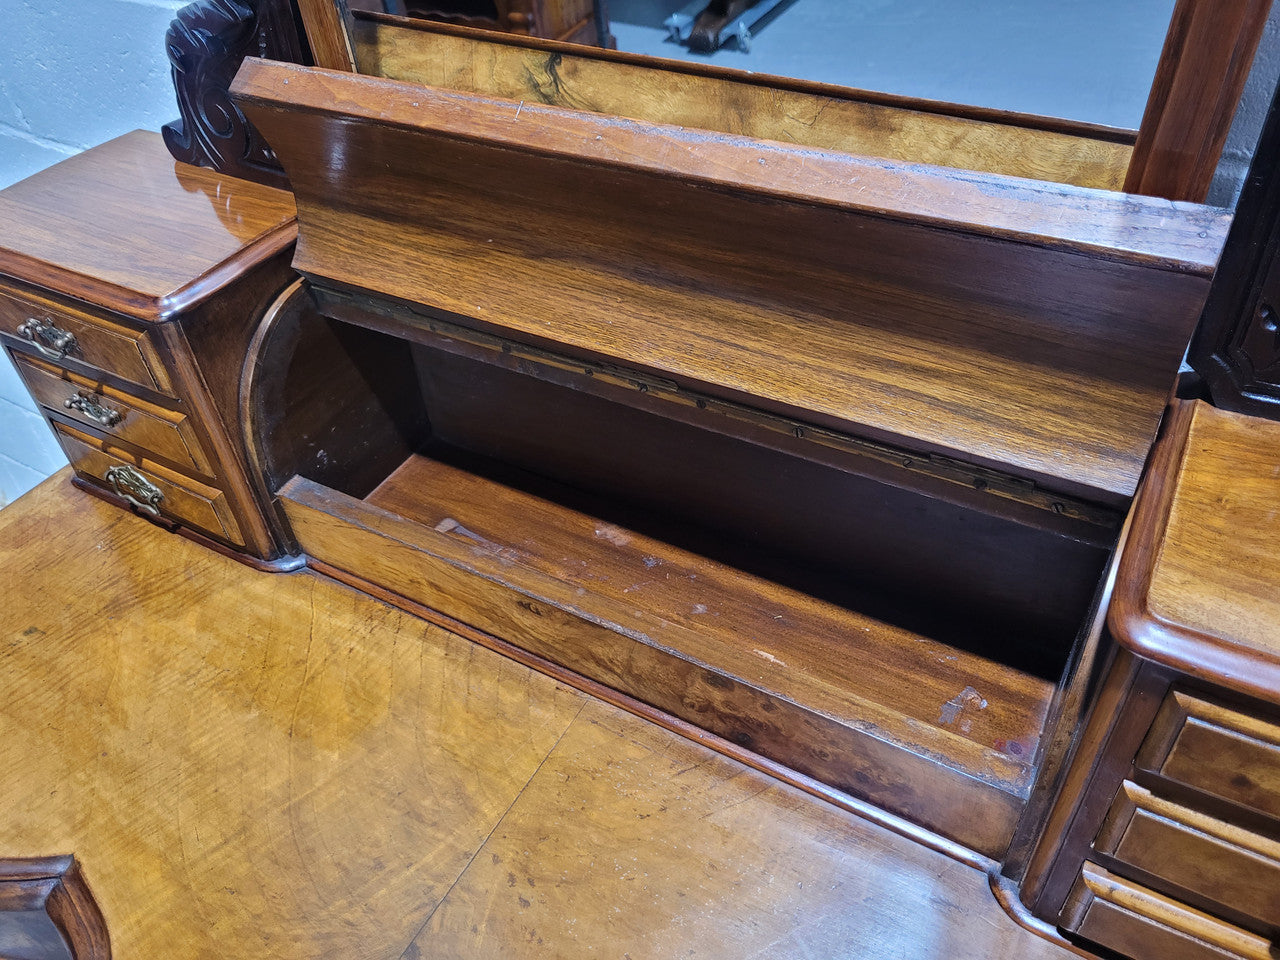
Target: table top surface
1199, 585
126, 227
279, 762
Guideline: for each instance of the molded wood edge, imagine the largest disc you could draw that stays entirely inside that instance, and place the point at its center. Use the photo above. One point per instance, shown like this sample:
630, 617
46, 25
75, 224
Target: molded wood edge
1156, 233
331, 528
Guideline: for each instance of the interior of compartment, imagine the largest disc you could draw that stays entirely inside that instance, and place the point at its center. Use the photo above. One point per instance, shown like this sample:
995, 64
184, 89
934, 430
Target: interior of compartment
887, 544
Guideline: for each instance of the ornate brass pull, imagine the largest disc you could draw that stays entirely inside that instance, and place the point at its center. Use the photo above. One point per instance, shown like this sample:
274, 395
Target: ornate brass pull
53, 342
137, 489
90, 406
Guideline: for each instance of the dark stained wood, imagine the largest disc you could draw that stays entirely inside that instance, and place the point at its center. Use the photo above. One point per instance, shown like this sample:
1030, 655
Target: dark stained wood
190, 230
696, 283
1202, 70
205, 43
62, 919
791, 677
747, 104
1196, 589
1236, 347
294, 765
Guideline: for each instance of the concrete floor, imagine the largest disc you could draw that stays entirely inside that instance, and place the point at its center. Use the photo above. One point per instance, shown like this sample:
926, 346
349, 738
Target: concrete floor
1087, 60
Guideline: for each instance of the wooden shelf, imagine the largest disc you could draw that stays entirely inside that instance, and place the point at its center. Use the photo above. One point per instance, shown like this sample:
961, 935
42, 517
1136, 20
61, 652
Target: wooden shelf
927, 730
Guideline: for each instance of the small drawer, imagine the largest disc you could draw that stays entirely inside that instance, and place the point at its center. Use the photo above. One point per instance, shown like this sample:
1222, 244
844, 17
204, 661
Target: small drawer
60, 333
166, 433
162, 491
1219, 751
1202, 855
1113, 912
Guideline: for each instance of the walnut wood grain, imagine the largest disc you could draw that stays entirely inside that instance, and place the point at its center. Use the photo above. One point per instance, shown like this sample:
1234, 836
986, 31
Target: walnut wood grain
754, 105
185, 500
721, 864
754, 662
1215, 750
1043, 313
1207, 54
277, 761
1134, 921
1201, 857
190, 230
326, 25
166, 433
101, 346
61, 919
1196, 588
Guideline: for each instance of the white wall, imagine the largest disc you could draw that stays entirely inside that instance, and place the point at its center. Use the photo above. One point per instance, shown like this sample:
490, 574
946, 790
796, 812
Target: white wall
72, 74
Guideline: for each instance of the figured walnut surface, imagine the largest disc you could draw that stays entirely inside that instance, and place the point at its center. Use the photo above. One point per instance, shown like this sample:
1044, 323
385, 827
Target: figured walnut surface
251, 764
1033, 328
1198, 588
125, 227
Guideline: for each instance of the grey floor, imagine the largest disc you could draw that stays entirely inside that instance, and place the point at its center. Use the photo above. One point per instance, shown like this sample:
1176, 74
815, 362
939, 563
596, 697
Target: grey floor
1089, 60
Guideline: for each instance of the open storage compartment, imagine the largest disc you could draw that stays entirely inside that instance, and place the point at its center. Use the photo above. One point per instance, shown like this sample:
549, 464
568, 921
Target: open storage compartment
825, 455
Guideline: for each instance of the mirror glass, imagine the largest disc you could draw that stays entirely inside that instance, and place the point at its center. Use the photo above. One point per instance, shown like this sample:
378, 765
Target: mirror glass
1085, 60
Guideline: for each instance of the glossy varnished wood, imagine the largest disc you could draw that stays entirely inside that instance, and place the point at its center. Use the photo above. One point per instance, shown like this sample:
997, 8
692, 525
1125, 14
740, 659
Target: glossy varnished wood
279, 762
1043, 313
1207, 54
755, 105
62, 228
1196, 590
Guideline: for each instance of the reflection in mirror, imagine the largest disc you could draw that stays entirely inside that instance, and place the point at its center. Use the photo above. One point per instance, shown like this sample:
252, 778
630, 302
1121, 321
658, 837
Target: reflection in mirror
1089, 60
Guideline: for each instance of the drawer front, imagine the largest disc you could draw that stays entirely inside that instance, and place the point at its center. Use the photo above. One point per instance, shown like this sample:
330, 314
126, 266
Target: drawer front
59, 333
1220, 751
1200, 854
166, 433
168, 494
1139, 923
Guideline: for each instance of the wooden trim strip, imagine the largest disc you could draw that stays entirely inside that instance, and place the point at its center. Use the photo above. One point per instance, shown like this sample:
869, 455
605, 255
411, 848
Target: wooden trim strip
1095, 223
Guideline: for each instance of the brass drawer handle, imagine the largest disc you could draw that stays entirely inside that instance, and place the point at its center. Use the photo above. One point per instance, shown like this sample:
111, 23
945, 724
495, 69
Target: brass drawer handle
51, 341
137, 489
90, 406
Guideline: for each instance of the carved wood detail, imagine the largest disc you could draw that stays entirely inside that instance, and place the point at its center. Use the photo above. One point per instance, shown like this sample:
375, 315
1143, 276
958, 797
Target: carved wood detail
206, 43
55, 886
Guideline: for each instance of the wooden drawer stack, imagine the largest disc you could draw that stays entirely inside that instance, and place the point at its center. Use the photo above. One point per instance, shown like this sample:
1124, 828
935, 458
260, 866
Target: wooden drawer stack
129, 288
1166, 842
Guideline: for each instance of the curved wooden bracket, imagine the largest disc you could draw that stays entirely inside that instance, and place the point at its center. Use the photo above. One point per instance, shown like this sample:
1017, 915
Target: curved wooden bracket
56, 887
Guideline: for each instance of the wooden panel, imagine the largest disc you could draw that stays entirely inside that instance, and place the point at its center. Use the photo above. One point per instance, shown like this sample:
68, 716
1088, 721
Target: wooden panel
1221, 752
718, 863
929, 732
1043, 313
271, 765
186, 501
326, 23
1202, 855
1202, 71
190, 230
1196, 588
1143, 925
770, 108
99, 344
168, 434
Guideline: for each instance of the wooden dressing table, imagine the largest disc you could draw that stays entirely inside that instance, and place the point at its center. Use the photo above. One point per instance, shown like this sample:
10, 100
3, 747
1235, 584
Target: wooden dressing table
829, 481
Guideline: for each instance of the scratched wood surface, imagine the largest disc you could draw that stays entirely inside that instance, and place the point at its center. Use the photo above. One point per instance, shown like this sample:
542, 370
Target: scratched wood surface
274, 765
985, 317
771, 108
